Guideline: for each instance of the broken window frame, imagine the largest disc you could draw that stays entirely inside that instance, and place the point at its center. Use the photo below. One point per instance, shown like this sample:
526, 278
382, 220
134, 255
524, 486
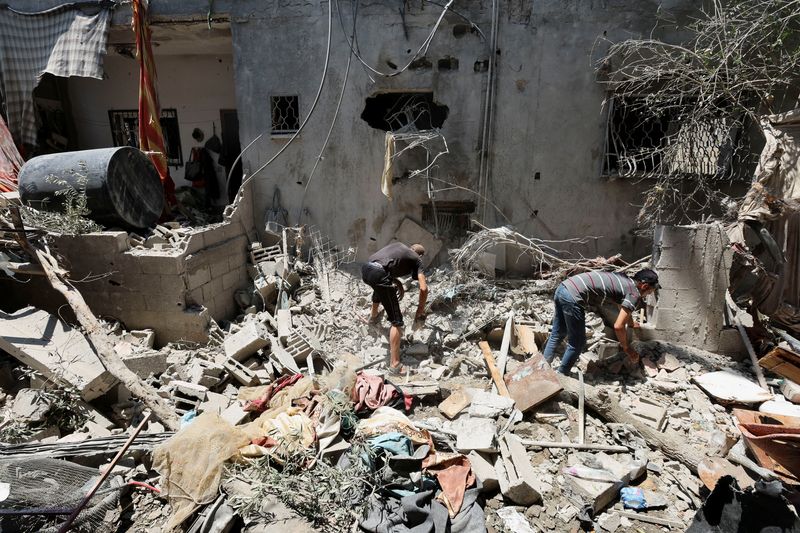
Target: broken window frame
666, 154
125, 131
284, 125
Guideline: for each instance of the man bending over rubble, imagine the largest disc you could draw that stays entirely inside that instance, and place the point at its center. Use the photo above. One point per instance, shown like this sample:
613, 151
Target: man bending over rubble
592, 289
381, 272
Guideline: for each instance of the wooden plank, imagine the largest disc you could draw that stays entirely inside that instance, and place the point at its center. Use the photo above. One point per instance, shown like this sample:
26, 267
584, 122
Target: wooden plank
502, 358
783, 362
502, 390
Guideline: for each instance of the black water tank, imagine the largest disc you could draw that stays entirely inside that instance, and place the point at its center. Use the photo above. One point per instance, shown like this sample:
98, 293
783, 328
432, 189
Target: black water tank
122, 184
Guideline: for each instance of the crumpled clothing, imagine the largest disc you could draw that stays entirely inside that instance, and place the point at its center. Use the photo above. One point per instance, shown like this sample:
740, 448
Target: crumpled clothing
371, 392
388, 159
391, 512
63, 41
291, 429
395, 443
386, 420
261, 404
454, 474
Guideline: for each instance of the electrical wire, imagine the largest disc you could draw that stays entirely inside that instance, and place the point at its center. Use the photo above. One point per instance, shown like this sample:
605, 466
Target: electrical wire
305, 121
422, 50
335, 115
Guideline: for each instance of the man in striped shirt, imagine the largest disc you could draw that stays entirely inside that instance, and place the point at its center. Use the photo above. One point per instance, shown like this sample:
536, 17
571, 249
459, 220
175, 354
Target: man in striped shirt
593, 289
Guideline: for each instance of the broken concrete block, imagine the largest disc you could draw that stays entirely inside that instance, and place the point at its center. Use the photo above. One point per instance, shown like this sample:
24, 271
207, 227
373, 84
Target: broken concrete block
52, 348
515, 521
455, 403
421, 388
186, 396
234, 414
476, 434
791, 391
487, 404
410, 233
517, 478
245, 342
484, 470
146, 363
532, 383
599, 494
31, 405
215, 403
239, 372
650, 368
650, 412
668, 362
204, 373
607, 350
284, 317
284, 360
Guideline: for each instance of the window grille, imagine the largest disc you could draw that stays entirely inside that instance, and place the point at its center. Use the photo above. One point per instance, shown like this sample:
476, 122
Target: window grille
285, 111
125, 132
639, 145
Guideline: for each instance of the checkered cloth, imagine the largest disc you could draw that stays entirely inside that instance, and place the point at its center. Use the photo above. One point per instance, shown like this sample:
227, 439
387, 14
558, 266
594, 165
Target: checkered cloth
64, 42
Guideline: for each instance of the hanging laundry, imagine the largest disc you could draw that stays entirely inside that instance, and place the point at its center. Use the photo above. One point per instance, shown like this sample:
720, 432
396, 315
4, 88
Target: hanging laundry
63, 41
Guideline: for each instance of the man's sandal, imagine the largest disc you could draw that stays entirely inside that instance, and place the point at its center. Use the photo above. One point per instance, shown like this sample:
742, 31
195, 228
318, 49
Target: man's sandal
398, 370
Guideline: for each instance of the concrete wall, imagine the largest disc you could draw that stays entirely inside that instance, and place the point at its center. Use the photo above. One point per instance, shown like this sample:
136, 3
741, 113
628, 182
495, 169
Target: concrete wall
548, 118
693, 265
173, 291
198, 86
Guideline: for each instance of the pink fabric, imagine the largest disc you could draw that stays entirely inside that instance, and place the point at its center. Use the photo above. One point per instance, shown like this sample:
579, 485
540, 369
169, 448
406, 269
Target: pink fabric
371, 392
261, 404
10, 160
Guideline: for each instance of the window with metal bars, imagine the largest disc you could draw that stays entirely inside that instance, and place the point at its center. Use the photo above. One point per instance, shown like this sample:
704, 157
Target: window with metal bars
641, 145
125, 131
285, 112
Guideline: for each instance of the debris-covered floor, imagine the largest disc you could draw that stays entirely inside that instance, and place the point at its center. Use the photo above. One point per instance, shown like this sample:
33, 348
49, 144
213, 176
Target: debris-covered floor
288, 419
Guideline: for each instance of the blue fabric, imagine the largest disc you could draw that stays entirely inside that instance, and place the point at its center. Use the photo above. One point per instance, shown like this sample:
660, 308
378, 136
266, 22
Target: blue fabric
394, 443
633, 498
569, 321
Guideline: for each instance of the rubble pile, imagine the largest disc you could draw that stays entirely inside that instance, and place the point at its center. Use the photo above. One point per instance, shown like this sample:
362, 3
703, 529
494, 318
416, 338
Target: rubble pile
288, 417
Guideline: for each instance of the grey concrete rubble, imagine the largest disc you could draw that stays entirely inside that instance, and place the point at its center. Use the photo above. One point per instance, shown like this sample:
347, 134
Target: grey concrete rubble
295, 327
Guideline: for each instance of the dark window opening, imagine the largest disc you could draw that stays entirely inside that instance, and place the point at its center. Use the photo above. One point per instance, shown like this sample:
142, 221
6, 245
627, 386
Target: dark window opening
404, 112
125, 132
285, 112
481, 66
448, 219
448, 63
639, 144
420, 64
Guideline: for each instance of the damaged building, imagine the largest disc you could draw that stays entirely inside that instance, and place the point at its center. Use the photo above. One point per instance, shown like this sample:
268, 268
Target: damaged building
192, 194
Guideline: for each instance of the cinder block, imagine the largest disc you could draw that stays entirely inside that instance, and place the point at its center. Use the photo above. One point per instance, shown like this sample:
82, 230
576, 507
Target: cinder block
197, 278
160, 263
230, 280
284, 317
219, 268
246, 341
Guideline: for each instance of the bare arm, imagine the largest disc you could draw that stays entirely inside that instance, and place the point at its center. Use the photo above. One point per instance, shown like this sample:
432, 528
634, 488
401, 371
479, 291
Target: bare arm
423, 295
624, 319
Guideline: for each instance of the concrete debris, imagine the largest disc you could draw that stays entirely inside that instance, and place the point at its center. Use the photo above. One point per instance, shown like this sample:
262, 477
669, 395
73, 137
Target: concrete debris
301, 336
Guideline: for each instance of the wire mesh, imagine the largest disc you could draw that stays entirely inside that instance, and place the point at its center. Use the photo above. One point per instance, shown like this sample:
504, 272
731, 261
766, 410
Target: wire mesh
42, 493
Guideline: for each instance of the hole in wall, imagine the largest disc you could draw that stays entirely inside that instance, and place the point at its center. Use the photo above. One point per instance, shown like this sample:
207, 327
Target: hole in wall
114, 283
537, 176
397, 110
481, 66
373, 239
460, 30
421, 64
391, 65
448, 63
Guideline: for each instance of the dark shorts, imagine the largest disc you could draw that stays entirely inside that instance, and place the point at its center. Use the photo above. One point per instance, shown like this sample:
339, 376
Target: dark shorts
383, 291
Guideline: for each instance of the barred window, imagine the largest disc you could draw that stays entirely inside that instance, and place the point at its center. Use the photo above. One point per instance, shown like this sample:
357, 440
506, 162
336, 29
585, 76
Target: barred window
125, 131
640, 145
285, 111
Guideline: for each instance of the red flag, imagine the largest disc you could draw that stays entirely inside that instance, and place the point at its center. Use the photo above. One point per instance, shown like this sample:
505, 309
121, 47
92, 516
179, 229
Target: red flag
151, 138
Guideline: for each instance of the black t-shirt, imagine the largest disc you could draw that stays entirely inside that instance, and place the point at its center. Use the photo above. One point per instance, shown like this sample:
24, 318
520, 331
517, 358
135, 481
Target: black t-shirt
398, 260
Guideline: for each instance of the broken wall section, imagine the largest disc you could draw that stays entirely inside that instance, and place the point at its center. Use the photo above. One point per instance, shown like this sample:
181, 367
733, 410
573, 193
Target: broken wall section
693, 265
173, 289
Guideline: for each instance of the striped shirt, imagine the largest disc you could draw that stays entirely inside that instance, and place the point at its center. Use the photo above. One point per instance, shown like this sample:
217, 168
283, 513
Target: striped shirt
594, 288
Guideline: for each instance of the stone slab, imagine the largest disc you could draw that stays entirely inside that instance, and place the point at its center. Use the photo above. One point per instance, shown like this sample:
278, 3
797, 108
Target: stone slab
532, 383
54, 349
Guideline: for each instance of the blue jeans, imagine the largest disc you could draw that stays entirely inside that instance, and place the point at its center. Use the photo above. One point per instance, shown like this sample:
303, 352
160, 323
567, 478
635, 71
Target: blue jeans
568, 321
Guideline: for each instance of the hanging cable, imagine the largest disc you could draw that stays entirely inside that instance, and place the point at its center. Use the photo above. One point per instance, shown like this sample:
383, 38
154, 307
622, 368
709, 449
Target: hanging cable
421, 51
483, 168
310, 112
333, 122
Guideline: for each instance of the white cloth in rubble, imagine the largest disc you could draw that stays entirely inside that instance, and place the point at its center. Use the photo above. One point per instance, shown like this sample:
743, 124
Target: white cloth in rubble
63, 41
388, 162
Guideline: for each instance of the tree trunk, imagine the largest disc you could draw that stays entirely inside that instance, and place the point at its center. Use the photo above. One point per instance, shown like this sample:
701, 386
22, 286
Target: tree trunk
103, 345
608, 409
